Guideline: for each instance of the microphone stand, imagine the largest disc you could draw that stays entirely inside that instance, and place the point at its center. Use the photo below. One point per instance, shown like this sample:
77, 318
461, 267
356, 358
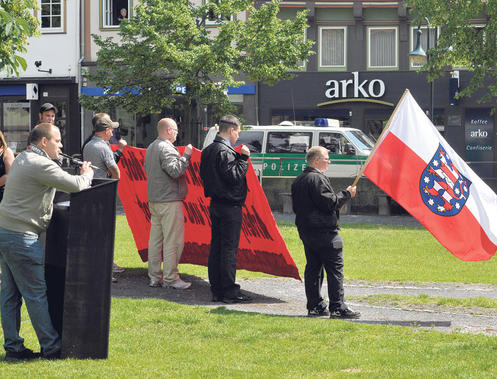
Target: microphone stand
76, 161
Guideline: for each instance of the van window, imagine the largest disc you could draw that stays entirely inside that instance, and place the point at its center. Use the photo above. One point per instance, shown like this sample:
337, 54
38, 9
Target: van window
288, 142
334, 142
252, 139
360, 139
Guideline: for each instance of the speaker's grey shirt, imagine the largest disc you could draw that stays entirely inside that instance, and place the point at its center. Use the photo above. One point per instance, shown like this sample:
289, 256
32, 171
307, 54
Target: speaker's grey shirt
30, 189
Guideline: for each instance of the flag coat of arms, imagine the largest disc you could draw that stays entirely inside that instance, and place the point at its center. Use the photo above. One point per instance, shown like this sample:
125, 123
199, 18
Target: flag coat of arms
414, 164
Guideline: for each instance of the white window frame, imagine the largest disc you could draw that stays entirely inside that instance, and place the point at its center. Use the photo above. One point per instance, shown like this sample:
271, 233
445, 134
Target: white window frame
59, 29
106, 14
396, 53
321, 65
413, 37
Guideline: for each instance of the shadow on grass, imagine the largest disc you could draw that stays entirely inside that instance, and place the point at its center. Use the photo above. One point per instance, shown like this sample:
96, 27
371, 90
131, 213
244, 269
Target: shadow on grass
133, 283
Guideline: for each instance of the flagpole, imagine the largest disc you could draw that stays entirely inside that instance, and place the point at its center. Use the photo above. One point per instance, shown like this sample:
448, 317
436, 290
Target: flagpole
385, 129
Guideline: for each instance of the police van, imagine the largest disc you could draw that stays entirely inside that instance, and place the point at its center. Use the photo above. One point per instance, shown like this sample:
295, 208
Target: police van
278, 151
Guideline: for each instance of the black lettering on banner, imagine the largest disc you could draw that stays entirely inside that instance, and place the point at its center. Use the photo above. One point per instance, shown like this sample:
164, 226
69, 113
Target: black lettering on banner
197, 212
253, 225
192, 174
134, 167
144, 207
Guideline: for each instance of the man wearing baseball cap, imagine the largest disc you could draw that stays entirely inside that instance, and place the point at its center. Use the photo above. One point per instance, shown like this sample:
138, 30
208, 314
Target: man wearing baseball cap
98, 147
100, 154
47, 113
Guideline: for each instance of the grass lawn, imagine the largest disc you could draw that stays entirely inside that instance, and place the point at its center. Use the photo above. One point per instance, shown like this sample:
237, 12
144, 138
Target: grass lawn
157, 338
372, 252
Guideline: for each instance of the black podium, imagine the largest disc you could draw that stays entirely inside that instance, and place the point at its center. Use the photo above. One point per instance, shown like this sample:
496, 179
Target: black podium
79, 251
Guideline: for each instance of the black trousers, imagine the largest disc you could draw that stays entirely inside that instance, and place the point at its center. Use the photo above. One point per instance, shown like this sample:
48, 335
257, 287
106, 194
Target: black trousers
226, 223
323, 253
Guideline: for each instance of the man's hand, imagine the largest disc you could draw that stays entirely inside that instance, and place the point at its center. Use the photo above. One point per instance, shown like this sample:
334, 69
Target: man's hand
122, 144
85, 168
352, 190
245, 151
188, 149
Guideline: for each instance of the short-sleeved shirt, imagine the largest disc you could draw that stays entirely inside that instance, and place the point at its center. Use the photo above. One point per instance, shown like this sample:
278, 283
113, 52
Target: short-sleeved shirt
99, 153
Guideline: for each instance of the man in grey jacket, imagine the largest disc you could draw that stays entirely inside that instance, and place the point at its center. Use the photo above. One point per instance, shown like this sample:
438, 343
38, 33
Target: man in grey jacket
25, 212
166, 185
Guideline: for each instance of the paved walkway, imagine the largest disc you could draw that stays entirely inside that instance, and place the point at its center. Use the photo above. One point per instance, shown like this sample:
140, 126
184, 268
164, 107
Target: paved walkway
286, 297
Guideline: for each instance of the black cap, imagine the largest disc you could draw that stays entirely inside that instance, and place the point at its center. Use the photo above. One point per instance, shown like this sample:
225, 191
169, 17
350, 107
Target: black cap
48, 107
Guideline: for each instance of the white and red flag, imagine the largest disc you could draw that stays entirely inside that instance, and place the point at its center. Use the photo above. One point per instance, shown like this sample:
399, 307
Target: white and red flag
414, 164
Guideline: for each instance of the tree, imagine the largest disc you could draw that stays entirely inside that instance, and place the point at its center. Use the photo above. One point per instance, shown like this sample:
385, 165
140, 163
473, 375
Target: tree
17, 24
468, 38
166, 51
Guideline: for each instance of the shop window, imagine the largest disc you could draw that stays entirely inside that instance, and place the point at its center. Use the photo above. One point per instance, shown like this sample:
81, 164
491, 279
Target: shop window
252, 139
114, 11
51, 16
438, 119
61, 118
288, 142
332, 47
16, 124
382, 45
374, 127
424, 40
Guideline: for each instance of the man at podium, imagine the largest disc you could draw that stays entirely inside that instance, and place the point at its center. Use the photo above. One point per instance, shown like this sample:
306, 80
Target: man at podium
25, 212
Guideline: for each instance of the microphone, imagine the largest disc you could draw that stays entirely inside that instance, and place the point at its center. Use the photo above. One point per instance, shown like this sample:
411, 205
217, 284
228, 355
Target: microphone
76, 161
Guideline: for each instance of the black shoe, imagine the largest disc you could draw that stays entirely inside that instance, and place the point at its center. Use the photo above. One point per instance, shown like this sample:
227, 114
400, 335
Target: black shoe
23, 355
217, 298
237, 299
318, 311
51, 356
344, 313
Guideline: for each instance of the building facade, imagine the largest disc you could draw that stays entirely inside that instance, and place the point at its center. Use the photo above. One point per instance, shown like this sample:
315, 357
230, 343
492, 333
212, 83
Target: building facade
360, 70
51, 76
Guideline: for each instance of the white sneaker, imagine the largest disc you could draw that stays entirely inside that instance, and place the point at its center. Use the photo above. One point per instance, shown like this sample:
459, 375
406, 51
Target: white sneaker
154, 284
180, 285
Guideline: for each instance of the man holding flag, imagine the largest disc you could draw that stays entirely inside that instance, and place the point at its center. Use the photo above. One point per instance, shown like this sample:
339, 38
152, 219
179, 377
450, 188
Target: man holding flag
317, 210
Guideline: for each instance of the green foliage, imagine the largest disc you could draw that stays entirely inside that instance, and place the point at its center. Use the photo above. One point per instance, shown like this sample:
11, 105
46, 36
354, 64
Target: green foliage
168, 44
460, 43
17, 24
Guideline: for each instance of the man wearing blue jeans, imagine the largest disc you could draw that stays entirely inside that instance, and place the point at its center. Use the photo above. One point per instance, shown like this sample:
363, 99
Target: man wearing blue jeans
25, 212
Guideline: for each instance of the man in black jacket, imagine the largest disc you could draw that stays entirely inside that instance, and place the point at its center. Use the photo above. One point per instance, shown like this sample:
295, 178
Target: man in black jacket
317, 210
223, 172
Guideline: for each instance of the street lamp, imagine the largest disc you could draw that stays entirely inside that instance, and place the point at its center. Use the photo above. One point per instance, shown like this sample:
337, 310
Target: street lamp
419, 57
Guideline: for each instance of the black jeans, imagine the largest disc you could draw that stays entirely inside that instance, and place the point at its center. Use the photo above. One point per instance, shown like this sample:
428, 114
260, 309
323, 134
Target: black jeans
226, 223
324, 254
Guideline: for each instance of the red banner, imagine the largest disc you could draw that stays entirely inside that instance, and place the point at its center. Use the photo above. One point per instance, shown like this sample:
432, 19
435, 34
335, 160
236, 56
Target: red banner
261, 248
